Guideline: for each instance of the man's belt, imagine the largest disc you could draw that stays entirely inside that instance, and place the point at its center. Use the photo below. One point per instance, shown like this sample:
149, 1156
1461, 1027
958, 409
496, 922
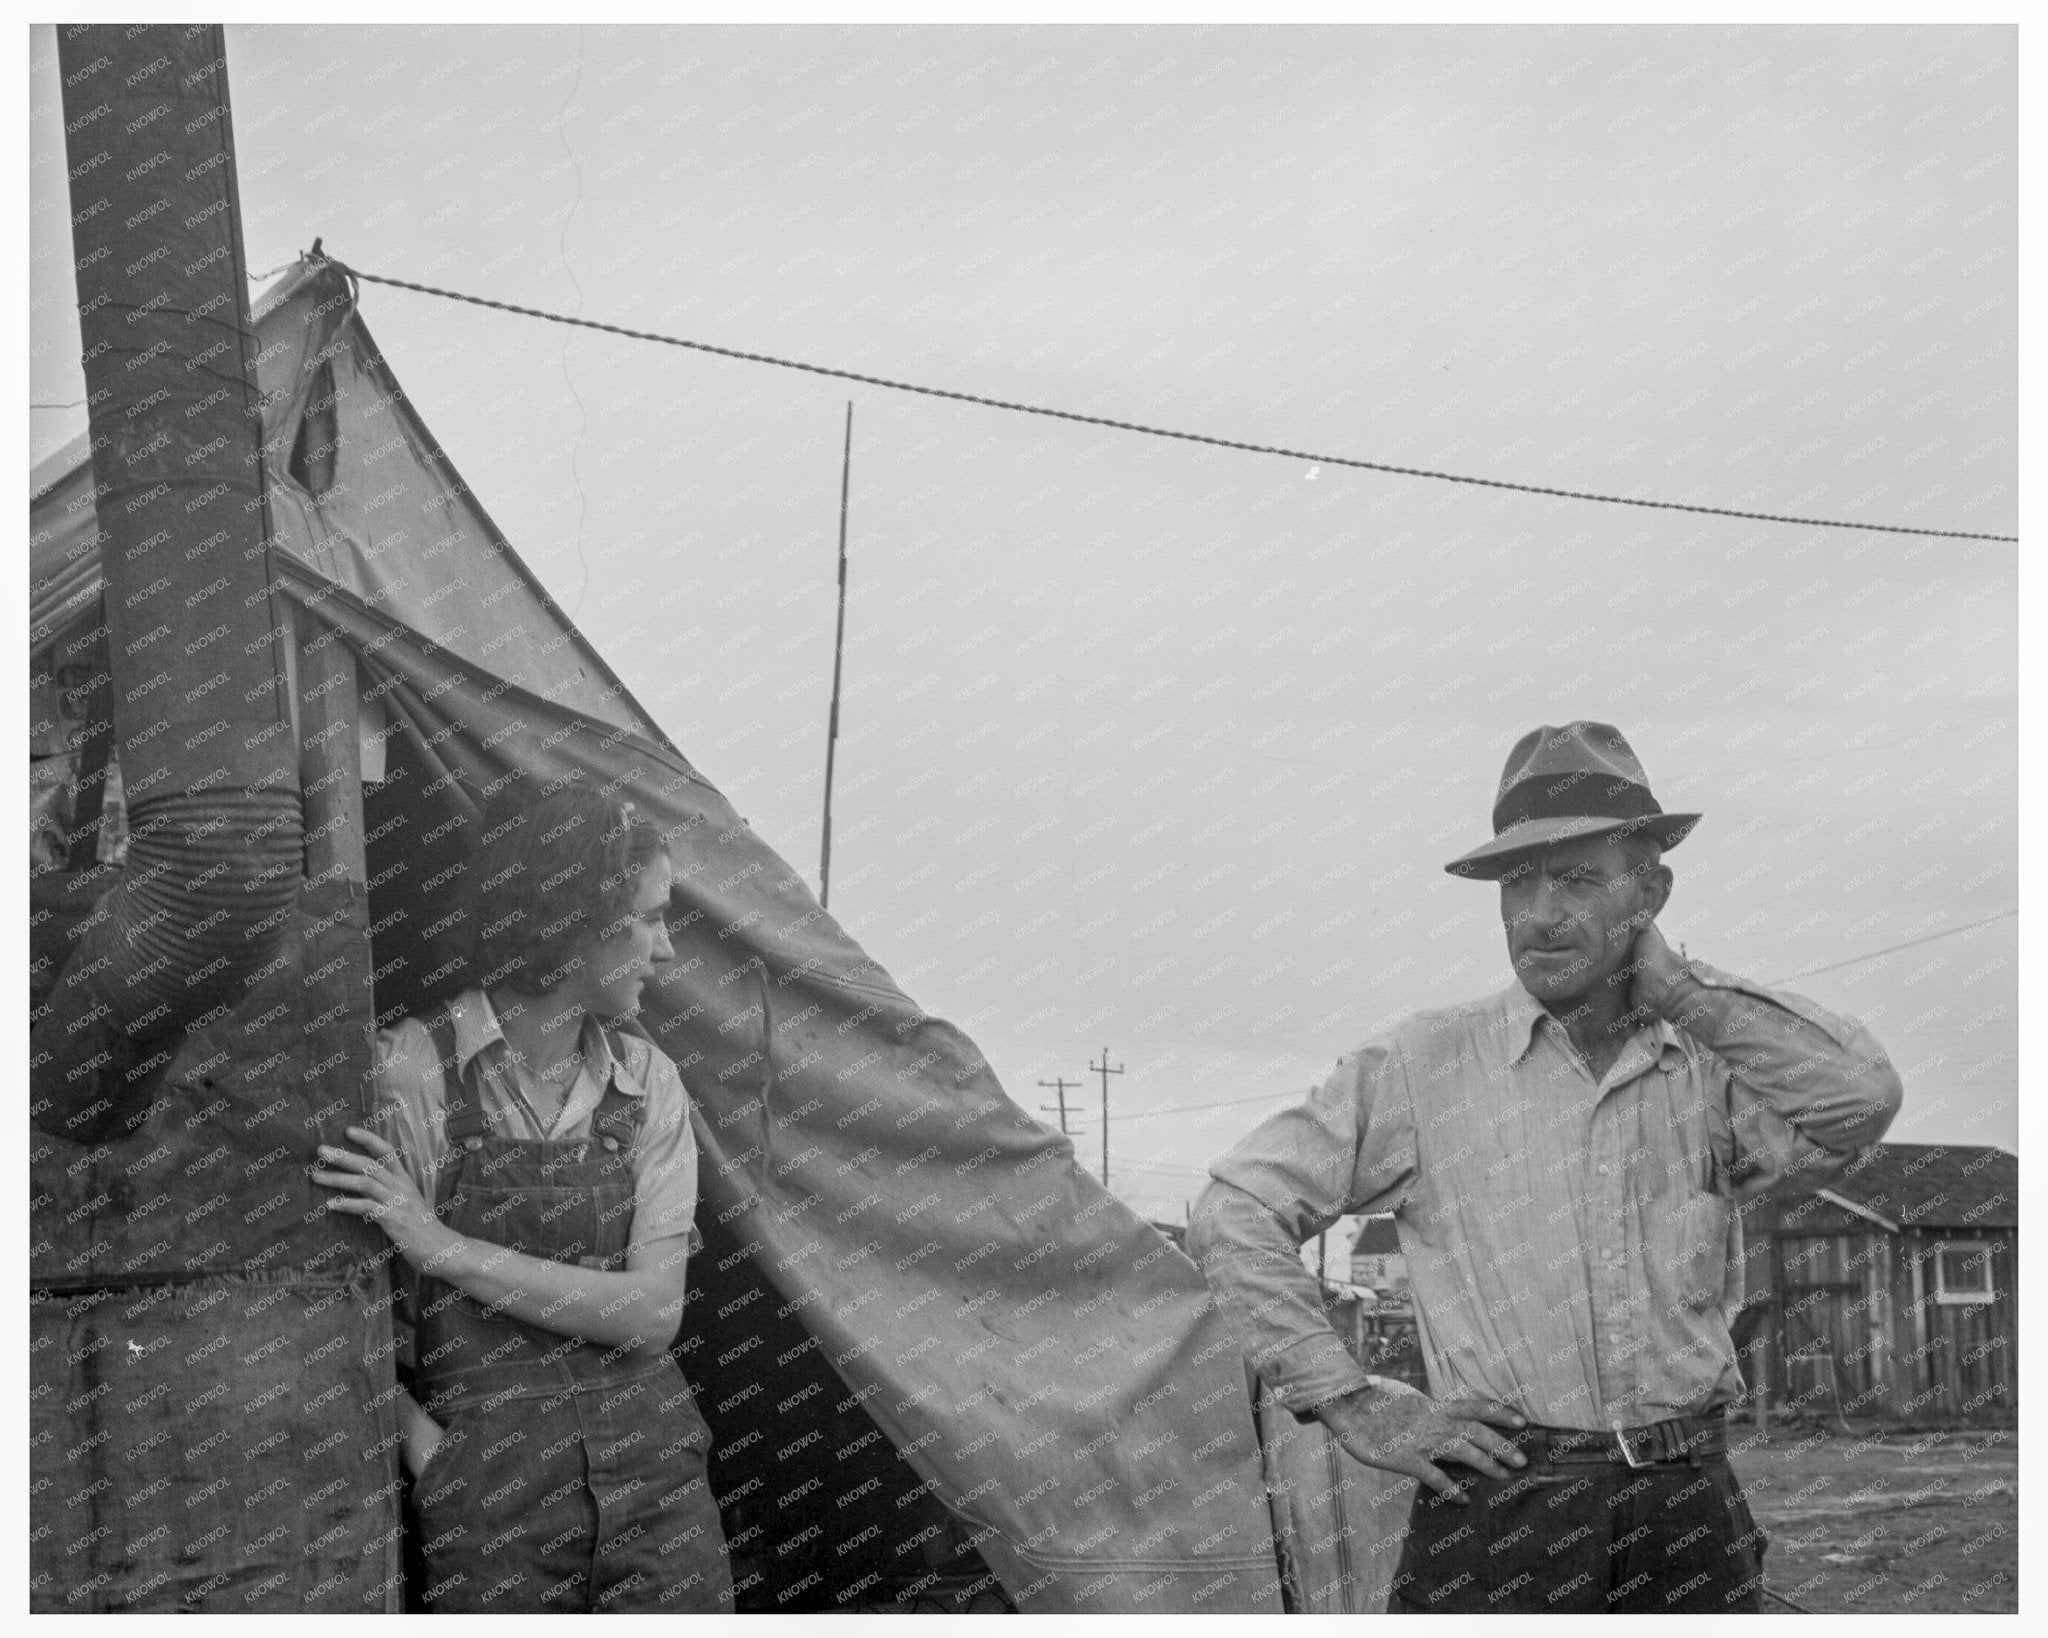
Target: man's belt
1681, 1439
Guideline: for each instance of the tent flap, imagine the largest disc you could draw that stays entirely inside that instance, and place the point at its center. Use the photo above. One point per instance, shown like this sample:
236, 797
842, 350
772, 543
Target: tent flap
1047, 1361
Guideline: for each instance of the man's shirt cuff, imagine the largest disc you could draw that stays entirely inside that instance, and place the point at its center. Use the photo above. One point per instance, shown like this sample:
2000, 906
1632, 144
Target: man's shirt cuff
1310, 1373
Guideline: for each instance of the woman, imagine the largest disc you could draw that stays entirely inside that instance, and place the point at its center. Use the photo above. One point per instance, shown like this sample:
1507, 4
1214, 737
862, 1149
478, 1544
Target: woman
537, 1173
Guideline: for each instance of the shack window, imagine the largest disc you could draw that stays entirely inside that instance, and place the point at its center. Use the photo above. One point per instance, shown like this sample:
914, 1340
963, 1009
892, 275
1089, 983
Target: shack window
1962, 1272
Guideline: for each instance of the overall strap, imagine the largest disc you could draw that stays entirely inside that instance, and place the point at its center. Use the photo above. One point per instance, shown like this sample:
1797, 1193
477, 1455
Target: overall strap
463, 1121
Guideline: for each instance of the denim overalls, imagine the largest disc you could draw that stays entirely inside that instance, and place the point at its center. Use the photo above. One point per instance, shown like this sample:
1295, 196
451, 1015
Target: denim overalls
572, 1475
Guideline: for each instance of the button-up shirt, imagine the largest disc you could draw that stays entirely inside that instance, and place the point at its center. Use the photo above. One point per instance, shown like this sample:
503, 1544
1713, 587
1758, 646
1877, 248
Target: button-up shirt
412, 1103
1572, 1244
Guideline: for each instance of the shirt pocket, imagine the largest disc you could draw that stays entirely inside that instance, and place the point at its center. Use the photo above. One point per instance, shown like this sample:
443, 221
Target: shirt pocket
1690, 1149
1698, 1250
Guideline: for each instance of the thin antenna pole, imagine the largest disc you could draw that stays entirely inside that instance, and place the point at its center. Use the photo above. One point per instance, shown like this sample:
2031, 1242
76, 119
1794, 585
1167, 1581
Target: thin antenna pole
838, 653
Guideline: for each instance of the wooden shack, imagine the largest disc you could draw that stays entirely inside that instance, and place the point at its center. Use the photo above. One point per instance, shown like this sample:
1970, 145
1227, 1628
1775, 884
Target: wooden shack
1893, 1292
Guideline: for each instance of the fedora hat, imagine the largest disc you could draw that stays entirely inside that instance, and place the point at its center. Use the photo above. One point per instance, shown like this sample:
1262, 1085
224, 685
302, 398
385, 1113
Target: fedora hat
1565, 784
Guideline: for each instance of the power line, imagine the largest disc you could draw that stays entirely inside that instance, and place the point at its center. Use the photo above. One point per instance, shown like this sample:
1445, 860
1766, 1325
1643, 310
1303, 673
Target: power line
1186, 1108
1872, 955
1137, 426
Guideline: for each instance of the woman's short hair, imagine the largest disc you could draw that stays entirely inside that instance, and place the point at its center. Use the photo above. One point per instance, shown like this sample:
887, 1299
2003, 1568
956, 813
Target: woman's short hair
549, 878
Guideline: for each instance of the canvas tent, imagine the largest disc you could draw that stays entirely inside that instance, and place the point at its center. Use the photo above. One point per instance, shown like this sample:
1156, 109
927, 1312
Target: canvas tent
910, 1297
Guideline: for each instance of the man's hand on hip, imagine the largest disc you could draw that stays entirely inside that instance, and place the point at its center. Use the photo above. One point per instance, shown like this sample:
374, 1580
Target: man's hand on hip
1393, 1426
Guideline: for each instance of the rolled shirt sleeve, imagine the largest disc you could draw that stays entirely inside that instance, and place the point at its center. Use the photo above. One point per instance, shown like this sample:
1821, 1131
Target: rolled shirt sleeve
1807, 1091
664, 1163
408, 1113
1350, 1148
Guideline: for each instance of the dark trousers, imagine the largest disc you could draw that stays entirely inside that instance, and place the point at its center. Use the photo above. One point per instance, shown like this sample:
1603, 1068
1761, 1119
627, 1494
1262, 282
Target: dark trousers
1585, 1539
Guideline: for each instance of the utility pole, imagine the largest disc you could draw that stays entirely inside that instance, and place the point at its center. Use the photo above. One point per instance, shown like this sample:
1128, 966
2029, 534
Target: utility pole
1060, 1086
1105, 1071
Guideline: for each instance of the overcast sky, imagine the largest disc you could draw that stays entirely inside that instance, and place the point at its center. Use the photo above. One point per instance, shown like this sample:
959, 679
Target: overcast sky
1162, 747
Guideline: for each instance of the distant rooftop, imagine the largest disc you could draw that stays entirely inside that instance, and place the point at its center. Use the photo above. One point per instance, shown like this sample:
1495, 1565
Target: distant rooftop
1936, 1185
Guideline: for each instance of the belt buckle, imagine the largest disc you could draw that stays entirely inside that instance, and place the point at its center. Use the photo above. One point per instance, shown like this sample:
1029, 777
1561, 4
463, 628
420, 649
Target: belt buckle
1628, 1451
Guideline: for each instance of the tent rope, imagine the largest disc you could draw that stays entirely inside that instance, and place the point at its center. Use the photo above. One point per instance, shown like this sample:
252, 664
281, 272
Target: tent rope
1141, 427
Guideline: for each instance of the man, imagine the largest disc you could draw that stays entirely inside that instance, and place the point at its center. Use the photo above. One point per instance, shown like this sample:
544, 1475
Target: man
1562, 1160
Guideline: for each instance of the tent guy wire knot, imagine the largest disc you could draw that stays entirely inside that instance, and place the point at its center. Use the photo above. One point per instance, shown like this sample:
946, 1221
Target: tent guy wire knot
1136, 426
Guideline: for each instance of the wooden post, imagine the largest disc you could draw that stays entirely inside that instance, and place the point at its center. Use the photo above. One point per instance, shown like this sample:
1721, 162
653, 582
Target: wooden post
1878, 1288
1924, 1372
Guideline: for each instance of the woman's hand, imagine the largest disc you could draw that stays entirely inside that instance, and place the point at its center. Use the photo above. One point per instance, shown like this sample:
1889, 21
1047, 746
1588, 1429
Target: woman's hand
422, 1435
374, 1185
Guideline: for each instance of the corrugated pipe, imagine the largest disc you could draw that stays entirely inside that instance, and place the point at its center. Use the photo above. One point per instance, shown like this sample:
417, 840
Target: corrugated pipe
210, 883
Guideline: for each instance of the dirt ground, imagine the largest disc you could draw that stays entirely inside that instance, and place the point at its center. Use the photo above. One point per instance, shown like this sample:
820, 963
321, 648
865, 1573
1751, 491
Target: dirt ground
1885, 1523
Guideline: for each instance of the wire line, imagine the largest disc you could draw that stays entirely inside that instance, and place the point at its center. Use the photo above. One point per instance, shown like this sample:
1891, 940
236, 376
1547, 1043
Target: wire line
1149, 431
1184, 1108
1872, 955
